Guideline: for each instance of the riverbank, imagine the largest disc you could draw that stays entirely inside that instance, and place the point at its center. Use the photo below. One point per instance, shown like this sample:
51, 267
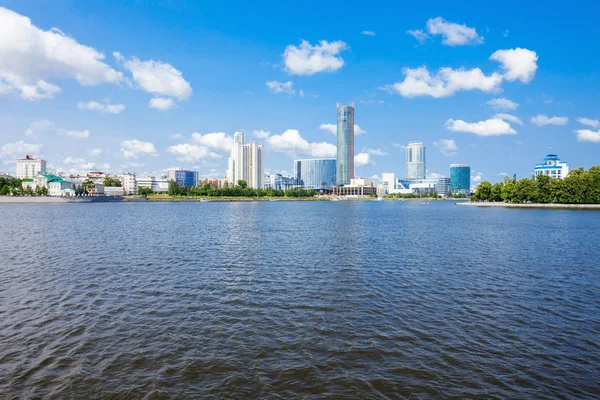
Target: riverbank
166, 198
514, 205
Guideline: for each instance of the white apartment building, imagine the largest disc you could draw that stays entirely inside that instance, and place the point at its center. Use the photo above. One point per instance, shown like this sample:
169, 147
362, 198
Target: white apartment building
246, 162
552, 167
160, 185
29, 167
128, 183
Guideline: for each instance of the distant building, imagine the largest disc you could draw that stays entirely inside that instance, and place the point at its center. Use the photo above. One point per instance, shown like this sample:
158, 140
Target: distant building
97, 177
416, 167
5, 175
56, 185
443, 187
246, 162
552, 167
214, 182
359, 187
183, 177
279, 182
128, 183
345, 144
157, 185
29, 167
315, 173
460, 179
393, 185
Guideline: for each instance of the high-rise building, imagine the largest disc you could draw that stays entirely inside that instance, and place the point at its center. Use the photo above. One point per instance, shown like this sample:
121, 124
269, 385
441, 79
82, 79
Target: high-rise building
316, 173
552, 167
29, 167
246, 162
416, 167
460, 179
183, 177
345, 144
128, 183
443, 187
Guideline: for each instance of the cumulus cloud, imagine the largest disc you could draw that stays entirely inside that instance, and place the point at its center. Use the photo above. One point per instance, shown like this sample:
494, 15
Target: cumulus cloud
419, 35
30, 57
541, 120
307, 59
39, 127
454, 34
503, 104
489, 127
332, 128
447, 147
186, 152
292, 141
95, 152
161, 103
586, 135
509, 117
261, 134
368, 33
215, 140
133, 148
594, 123
375, 152
20, 149
104, 108
477, 177
76, 134
281, 87
517, 63
362, 159
157, 77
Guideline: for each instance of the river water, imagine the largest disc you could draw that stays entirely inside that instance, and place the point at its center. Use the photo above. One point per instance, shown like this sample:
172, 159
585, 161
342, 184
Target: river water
298, 300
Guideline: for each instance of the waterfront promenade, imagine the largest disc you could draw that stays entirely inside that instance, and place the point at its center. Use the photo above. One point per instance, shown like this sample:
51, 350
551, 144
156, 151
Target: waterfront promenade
531, 205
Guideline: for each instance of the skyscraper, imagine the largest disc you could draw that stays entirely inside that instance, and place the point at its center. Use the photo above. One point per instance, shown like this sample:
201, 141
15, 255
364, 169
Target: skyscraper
246, 162
344, 165
315, 173
460, 179
415, 161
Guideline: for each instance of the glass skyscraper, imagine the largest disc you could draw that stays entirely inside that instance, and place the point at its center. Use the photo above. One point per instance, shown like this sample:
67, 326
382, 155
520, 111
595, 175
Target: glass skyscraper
344, 165
317, 174
415, 161
460, 179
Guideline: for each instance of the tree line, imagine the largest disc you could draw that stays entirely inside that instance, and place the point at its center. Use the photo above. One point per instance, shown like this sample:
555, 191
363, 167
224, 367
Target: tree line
579, 187
239, 190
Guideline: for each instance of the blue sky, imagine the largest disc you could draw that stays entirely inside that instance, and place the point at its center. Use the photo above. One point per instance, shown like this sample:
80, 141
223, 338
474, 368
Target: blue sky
124, 86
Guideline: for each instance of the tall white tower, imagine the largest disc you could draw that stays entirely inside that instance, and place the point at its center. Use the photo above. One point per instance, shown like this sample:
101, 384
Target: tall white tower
415, 161
246, 162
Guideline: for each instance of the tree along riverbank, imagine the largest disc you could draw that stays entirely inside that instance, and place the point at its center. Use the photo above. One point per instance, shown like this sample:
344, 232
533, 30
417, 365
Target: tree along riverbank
532, 205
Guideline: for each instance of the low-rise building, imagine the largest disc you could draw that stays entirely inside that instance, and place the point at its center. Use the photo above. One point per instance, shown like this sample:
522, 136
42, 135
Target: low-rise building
56, 185
217, 183
97, 177
359, 187
157, 185
553, 167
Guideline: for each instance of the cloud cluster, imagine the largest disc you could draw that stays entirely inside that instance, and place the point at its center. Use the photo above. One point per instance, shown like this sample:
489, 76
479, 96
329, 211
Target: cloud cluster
103, 108
161, 103
509, 117
368, 33
307, 59
502, 104
362, 159
419, 35
517, 63
216, 140
454, 34
594, 123
281, 87
261, 134
133, 148
76, 134
587, 135
489, 127
20, 148
292, 141
187, 152
541, 120
157, 77
447, 147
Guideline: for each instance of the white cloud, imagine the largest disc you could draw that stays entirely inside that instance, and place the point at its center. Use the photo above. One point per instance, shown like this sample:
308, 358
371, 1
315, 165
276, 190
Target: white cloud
594, 123
281, 87
477, 177
292, 141
104, 108
309, 60
503, 104
158, 78
76, 134
39, 127
445, 82
133, 148
541, 120
419, 35
332, 128
508, 117
517, 63
362, 159
261, 134
433, 175
20, 149
490, 127
454, 34
586, 135
506, 32
29, 57
215, 140
375, 152
175, 136
190, 152
400, 146
73, 160
368, 33
161, 103
95, 152
447, 147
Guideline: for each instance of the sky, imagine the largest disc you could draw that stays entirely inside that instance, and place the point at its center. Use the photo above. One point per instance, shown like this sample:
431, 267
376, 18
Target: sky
143, 86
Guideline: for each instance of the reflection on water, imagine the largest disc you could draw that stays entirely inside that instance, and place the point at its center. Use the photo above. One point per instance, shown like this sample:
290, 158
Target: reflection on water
298, 299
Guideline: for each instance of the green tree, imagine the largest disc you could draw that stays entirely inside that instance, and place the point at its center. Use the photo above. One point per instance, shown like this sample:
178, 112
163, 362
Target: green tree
144, 191
496, 194
508, 190
173, 189
242, 183
543, 186
38, 190
112, 182
5, 190
483, 191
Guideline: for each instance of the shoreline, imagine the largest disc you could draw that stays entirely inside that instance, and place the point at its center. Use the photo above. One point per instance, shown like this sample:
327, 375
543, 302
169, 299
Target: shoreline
534, 205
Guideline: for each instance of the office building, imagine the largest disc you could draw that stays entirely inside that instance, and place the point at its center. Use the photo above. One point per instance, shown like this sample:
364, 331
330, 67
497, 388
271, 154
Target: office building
392, 185
443, 187
128, 183
216, 183
280, 182
460, 179
246, 162
416, 167
157, 185
183, 177
29, 167
344, 168
315, 173
359, 187
552, 167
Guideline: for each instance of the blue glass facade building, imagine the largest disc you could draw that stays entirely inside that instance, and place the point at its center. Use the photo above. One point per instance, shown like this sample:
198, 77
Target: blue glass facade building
460, 179
317, 174
345, 144
186, 178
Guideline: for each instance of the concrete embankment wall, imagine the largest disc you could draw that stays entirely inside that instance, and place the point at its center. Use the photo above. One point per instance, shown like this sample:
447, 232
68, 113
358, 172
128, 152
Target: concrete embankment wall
555, 206
61, 200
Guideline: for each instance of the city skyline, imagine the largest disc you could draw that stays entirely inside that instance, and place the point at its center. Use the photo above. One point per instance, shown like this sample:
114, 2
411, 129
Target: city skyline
408, 80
